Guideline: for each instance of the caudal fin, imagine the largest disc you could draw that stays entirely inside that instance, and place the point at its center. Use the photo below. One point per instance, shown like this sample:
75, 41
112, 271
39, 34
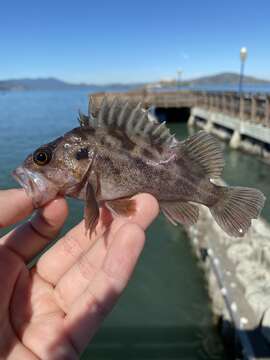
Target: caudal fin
236, 208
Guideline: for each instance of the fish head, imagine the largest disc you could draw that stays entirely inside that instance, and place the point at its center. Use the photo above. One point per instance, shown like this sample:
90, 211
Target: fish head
55, 168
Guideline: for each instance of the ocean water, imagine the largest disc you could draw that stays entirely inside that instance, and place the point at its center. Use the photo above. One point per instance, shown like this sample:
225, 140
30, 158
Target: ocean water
165, 311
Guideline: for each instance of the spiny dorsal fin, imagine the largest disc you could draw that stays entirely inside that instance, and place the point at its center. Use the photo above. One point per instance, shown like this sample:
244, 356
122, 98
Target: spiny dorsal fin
84, 120
204, 150
130, 118
93, 107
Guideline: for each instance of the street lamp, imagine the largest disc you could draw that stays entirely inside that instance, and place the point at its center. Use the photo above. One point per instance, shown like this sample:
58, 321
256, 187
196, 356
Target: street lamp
178, 80
243, 57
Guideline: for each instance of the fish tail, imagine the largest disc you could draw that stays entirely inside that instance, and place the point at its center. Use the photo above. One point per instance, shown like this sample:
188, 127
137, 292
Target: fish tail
236, 207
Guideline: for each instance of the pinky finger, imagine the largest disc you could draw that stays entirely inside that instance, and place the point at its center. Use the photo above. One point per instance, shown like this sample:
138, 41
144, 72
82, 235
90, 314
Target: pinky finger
89, 310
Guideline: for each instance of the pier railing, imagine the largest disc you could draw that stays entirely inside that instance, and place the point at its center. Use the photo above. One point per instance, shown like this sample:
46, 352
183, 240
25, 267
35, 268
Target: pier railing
254, 108
251, 107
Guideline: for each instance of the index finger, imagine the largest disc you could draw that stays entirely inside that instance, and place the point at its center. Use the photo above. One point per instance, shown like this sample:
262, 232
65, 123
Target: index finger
15, 205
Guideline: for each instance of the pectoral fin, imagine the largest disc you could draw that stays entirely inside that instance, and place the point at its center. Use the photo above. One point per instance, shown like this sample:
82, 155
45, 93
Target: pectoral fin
123, 207
180, 212
91, 210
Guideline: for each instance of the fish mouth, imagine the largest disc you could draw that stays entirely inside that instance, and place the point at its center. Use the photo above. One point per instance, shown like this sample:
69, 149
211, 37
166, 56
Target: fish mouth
36, 185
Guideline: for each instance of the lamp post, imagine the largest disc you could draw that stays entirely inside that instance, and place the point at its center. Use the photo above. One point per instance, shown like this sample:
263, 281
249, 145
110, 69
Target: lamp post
243, 57
178, 80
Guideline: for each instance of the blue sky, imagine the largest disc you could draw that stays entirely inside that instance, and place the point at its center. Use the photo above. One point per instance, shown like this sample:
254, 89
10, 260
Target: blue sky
131, 41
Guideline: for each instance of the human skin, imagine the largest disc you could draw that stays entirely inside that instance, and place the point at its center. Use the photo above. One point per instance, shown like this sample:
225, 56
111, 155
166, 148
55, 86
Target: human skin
52, 310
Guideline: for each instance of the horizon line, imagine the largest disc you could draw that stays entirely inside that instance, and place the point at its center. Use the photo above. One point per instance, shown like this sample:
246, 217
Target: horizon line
90, 83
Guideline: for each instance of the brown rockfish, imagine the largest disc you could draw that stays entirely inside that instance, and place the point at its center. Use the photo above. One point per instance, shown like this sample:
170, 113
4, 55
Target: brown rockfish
118, 151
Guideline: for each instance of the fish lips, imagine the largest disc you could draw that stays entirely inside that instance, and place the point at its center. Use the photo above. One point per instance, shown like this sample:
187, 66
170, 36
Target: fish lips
36, 185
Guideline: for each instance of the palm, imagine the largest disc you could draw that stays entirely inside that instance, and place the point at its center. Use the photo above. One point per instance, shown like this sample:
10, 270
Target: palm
37, 319
53, 310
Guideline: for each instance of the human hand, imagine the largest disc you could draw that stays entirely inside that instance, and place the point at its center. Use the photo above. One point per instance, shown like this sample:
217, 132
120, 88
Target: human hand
53, 310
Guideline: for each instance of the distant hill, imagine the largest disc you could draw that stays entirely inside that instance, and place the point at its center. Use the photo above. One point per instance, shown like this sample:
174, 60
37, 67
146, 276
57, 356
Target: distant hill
221, 79
225, 78
56, 84
33, 84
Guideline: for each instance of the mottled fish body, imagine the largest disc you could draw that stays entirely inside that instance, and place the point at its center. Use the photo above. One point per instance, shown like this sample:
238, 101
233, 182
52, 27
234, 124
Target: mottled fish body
119, 151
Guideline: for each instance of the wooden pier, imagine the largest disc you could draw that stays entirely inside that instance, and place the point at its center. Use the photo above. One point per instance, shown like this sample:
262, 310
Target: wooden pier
254, 108
245, 116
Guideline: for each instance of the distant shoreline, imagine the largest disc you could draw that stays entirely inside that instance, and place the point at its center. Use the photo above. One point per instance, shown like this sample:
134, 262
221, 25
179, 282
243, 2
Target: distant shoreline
247, 88
222, 80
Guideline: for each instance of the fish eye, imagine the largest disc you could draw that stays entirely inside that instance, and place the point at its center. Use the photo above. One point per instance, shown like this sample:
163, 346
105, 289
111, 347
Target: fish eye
42, 156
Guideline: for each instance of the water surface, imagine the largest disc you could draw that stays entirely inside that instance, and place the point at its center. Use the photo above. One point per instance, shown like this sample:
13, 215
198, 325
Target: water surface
165, 311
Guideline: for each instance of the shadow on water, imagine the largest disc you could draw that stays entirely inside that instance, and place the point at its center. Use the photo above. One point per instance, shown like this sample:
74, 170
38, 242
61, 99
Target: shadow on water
151, 343
164, 343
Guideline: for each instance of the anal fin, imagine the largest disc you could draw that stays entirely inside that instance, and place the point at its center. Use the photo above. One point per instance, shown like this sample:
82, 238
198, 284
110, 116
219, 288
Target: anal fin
180, 212
122, 207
